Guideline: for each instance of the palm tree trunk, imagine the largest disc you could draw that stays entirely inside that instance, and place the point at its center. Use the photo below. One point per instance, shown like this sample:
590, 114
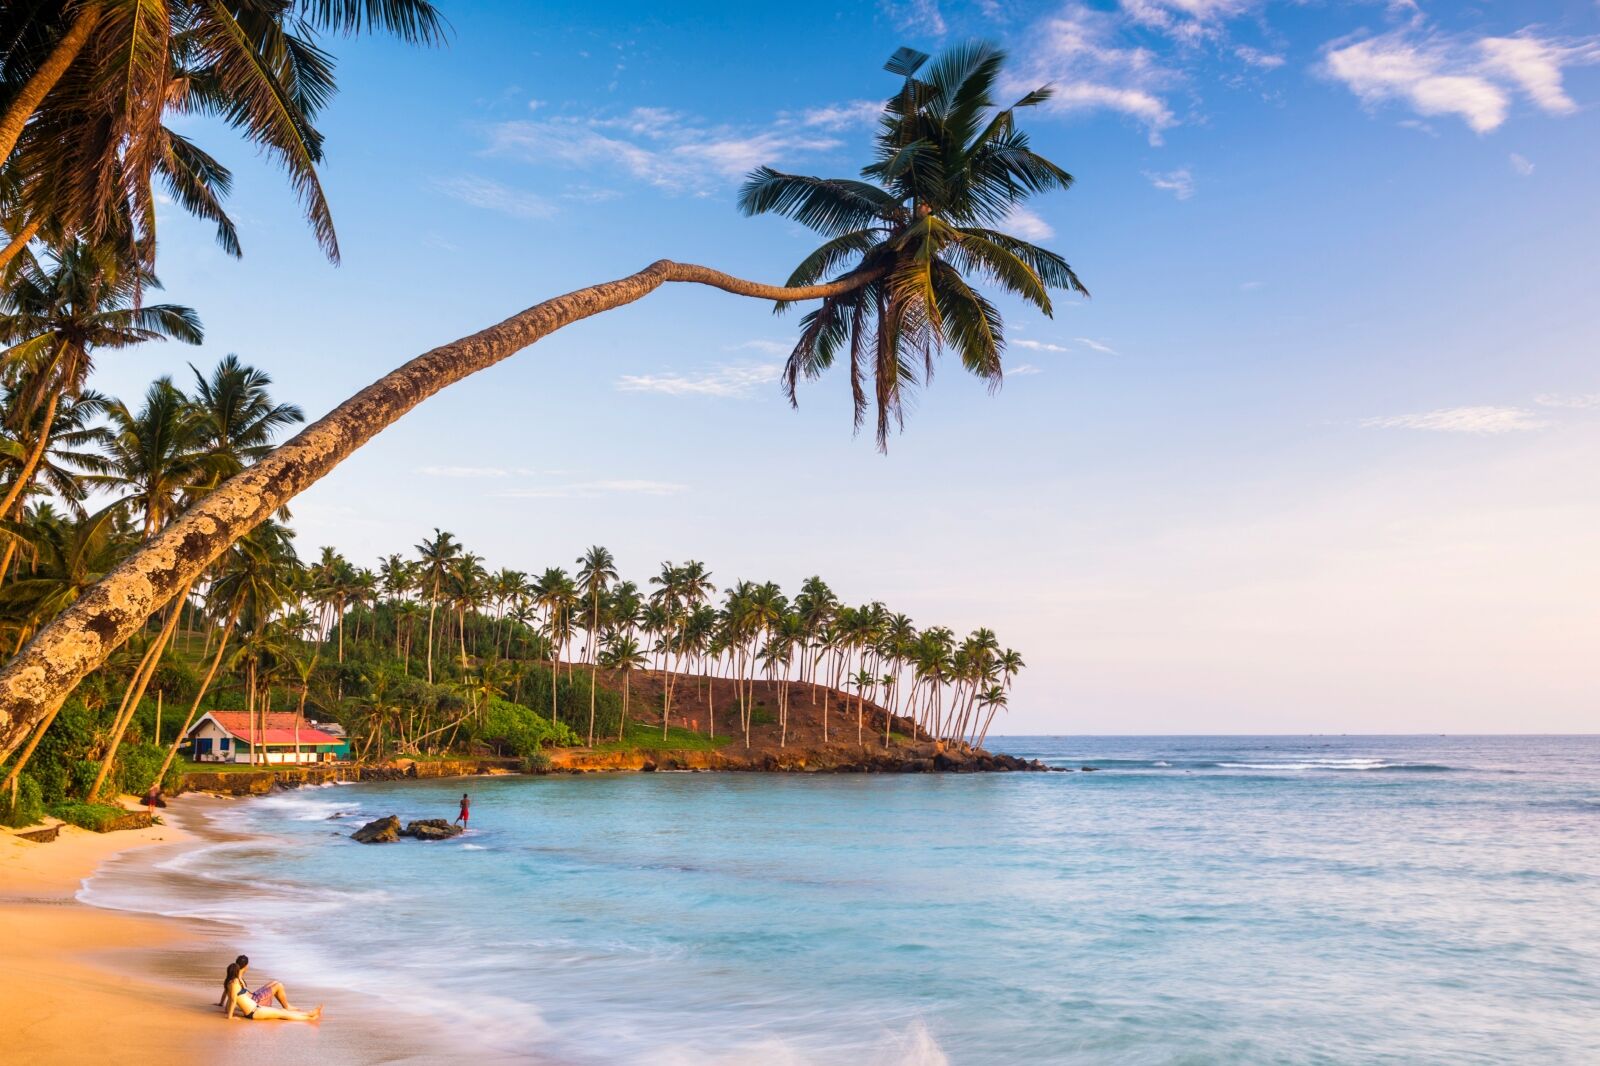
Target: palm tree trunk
19, 242
211, 673
433, 606
594, 673
627, 693
83, 636
29, 468
27, 753
142, 683
37, 87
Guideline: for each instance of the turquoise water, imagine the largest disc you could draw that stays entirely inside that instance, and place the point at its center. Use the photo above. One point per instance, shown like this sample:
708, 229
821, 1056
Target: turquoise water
1198, 900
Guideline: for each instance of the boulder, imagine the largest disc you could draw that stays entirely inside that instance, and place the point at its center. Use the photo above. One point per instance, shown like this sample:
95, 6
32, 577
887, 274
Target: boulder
431, 829
382, 831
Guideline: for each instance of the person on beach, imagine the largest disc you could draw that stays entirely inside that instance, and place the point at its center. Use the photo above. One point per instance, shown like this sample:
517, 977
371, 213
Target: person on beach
466, 810
153, 799
257, 1005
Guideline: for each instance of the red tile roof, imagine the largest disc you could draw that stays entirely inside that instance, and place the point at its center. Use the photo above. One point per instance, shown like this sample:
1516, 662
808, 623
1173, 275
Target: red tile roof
278, 728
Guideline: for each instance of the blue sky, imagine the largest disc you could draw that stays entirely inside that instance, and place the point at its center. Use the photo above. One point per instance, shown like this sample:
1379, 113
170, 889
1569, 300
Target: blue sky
1318, 455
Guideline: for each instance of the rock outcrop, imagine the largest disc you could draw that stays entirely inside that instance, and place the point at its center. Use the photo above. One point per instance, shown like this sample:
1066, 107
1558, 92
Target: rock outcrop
431, 829
382, 831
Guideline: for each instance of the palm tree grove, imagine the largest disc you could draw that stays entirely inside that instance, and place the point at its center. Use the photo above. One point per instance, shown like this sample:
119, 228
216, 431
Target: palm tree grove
151, 574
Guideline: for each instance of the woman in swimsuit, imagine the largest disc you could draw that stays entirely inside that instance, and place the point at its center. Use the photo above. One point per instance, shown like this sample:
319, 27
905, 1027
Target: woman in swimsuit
257, 1005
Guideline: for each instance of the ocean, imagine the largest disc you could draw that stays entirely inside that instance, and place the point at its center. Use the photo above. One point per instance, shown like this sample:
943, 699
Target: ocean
1234, 900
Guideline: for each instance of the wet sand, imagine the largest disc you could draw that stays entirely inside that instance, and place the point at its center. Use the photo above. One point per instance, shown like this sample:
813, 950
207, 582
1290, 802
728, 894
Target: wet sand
85, 984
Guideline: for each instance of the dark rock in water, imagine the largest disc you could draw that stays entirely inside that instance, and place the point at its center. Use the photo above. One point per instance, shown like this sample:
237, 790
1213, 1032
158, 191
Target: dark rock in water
383, 831
431, 829
1088, 769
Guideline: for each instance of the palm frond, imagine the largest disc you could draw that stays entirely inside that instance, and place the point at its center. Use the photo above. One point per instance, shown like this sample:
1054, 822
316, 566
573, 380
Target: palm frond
828, 205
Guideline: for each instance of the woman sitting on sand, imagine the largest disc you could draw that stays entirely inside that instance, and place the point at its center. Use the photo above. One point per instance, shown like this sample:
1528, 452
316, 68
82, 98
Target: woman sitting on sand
258, 1004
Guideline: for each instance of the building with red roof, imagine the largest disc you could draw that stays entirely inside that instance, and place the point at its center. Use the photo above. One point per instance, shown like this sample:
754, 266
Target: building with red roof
264, 737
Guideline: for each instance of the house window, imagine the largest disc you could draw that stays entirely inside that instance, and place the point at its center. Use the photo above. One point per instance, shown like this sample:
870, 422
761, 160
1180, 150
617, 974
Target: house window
225, 743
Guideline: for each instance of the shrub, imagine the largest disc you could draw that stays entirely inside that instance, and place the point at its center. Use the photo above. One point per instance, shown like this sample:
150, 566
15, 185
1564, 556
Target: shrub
512, 729
27, 808
96, 816
136, 767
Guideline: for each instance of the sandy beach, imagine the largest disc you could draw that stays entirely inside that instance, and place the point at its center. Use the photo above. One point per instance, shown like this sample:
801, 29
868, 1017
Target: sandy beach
84, 984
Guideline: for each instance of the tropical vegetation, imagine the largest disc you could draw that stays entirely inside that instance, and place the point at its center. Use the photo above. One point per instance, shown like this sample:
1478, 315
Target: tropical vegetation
147, 556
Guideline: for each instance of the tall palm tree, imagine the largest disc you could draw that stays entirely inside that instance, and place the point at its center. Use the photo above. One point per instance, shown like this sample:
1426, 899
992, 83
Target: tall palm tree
437, 555
597, 568
237, 419
623, 654
950, 166
153, 455
55, 314
86, 86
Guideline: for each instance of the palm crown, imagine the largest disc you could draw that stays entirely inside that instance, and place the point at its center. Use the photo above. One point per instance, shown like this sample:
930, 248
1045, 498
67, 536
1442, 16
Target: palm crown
950, 167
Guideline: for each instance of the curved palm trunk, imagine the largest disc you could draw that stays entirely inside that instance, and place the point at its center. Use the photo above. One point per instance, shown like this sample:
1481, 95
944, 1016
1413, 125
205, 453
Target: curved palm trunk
81, 638
433, 607
31, 467
19, 242
44, 79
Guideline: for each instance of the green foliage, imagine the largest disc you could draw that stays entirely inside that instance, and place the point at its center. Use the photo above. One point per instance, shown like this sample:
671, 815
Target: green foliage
27, 807
512, 729
95, 816
137, 766
641, 736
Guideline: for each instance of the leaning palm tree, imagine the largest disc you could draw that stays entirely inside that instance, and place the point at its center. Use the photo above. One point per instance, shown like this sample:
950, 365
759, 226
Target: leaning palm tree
901, 244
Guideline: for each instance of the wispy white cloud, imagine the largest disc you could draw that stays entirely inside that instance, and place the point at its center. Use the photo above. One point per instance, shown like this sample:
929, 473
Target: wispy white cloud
1473, 79
1575, 401
1179, 183
1189, 21
1038, 346
1482, 420
1022, 370
1097, 346
592, 489
1027, 225
728, 382
657, 146
1521, 165
1257, 58
468, 471
493, 196
770, 347
842, 116
1080, 53
917, 16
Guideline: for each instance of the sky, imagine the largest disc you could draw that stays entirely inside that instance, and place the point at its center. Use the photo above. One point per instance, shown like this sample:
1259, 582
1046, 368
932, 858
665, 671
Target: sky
1317, 455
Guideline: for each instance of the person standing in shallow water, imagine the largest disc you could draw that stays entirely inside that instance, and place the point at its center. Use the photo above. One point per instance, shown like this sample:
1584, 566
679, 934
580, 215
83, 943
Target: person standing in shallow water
466, 810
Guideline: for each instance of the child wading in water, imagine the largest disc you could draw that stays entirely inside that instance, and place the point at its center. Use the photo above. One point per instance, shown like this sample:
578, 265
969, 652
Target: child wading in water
466, 810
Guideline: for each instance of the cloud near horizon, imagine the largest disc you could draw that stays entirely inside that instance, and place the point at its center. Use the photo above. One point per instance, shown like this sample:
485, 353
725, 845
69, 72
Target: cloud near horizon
592, 489
1484, 420
728, 381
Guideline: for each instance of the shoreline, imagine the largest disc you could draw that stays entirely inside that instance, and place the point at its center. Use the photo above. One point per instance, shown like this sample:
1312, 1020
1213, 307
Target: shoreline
85, 982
